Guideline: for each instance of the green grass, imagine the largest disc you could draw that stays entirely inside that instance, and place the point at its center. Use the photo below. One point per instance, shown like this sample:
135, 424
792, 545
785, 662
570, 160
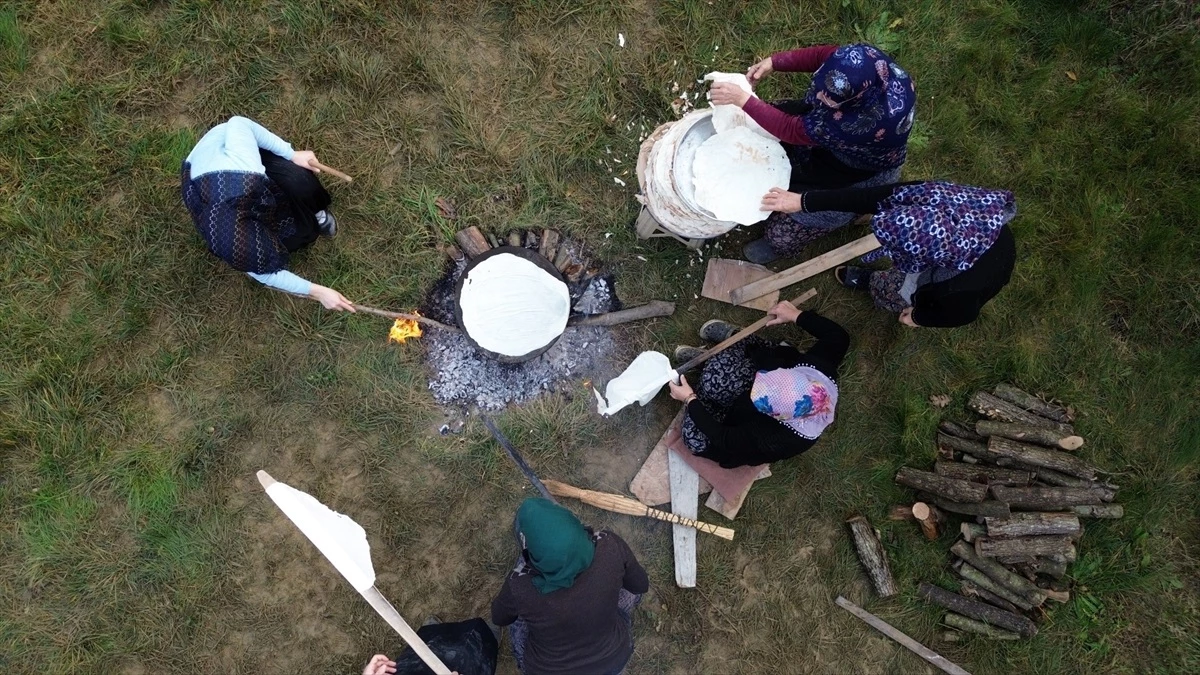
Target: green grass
142, 383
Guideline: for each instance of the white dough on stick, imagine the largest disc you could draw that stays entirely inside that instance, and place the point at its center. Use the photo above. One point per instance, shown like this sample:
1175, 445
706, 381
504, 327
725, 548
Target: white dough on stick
639, 382
511, 306
734, 170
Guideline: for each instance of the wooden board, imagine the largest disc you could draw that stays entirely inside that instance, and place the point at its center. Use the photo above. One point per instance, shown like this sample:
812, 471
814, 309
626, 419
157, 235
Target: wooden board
652, 484
730, 507
806, 269
685, 501
723, 275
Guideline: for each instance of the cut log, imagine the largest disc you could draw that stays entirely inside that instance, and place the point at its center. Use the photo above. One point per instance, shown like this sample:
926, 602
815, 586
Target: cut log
806, 269
998, 409
988, 507
1065, 558
548, 247
900, 512
971, 530
1032, 455
972, 448
930, 656
1022, 546
1029, 433
1033, 524
564, 256
928, 517
1099, 511
472, 242
1035, 405
531, 240
452, 252
1055, 569
514, 239
649, 310
960, 622
492, 240
873, 557
998, 573
947, 488
985, 582
970, 590
980, 611
987, 475
959, 430
1045, 498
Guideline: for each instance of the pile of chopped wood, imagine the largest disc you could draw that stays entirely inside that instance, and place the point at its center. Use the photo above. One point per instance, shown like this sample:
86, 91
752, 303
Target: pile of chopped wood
1015, 474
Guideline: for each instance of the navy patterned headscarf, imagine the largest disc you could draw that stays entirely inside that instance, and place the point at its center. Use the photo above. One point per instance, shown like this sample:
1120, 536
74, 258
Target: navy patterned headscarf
861, 108
939, 224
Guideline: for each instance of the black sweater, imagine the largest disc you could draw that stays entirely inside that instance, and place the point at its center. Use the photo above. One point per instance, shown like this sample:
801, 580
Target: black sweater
944, 304
747, 436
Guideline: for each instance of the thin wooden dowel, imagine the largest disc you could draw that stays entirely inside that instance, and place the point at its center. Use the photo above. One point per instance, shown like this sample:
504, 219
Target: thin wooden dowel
397, 622
331, 171
741, 335
401, 315
934, 659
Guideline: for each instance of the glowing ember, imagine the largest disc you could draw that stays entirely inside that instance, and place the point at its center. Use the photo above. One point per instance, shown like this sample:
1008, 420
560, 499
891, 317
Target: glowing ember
404, 329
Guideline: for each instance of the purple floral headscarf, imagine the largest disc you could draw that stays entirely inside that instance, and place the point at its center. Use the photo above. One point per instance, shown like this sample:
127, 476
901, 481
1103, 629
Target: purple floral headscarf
938, 224
862, 107
801, 398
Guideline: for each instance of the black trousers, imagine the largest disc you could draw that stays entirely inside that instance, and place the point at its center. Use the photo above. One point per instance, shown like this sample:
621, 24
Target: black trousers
304, 194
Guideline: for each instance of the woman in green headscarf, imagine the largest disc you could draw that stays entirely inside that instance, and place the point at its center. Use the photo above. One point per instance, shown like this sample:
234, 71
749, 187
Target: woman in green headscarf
570, 599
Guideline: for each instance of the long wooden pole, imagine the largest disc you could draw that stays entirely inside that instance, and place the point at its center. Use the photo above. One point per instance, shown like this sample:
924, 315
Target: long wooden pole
804, 270
740, 335
516, 457
331, 171
934, 659
424, 320
397, 622
632, 507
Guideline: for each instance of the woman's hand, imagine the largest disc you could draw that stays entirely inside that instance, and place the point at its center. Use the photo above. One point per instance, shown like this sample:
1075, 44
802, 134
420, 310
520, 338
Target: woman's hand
306, 159
728, 93
782, 201
758, 71
783, 312
906, 318
380, 665
682, 392
330, 298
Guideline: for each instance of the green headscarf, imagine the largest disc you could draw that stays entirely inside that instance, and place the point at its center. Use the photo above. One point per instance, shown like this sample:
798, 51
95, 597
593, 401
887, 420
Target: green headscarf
559, 546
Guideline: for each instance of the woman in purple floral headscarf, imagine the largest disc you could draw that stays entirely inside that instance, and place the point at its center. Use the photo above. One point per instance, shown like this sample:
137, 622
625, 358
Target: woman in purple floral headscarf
850, 130
950, 245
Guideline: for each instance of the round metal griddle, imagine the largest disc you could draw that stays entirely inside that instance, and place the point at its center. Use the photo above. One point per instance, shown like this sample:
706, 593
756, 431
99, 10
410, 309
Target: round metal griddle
531, 256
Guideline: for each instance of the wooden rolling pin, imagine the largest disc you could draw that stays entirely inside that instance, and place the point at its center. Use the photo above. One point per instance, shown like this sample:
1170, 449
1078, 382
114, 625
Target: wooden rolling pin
631, 507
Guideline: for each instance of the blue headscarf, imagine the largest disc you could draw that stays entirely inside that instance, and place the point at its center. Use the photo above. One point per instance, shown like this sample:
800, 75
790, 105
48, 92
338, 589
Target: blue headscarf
861, 108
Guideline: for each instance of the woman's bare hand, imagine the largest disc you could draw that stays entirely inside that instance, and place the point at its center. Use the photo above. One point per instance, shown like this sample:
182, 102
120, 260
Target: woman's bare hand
306, 159
758, 71
681, 392
380, 664
781, 200
783, 312
728, 93
330, 298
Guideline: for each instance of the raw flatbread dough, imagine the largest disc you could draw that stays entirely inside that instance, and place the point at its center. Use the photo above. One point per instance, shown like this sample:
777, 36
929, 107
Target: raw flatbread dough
639, 382
729, 116
510, 306
734, 169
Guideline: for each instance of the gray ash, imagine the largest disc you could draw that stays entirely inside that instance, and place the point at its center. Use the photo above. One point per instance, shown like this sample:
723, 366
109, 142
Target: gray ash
462, 375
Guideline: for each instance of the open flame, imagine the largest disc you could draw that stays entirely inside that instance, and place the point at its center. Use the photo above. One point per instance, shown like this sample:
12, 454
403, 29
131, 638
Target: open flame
404, 329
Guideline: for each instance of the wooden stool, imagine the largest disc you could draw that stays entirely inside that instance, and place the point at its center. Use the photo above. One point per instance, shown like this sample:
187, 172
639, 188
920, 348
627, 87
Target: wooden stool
648, 228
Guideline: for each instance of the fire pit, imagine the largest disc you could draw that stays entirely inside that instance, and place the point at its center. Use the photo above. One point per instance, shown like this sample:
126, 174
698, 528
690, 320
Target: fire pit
519, 305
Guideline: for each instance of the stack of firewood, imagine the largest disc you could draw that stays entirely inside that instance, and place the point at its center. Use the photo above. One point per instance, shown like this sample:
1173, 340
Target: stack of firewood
1015, 474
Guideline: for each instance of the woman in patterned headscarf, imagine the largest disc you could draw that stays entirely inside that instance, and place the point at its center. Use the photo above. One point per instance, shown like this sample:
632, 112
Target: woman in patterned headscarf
255, 200
851, 129
759, 402
950, 245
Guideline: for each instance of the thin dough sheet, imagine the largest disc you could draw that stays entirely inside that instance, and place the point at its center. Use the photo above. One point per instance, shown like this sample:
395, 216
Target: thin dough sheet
511, 306
734, 170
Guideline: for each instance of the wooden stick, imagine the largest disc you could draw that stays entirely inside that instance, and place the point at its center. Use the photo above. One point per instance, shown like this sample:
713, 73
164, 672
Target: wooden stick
804, 270
1033, 404
970, 590
424, 320
1055, 460
972, 626
649, 310
998, 409
1028, 433
988, 475
873, 557
743, 333
932, 657
979, 611
397, 622
985, 582
1099, 511
331, 171
1031, 524
632, 507
998, 573
515, 456
948, 488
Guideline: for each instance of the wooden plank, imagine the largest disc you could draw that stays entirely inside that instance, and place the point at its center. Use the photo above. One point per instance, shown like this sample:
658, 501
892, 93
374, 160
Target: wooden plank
723, 275
804, 270
685, 501
652, 484
932, 657
730, 507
